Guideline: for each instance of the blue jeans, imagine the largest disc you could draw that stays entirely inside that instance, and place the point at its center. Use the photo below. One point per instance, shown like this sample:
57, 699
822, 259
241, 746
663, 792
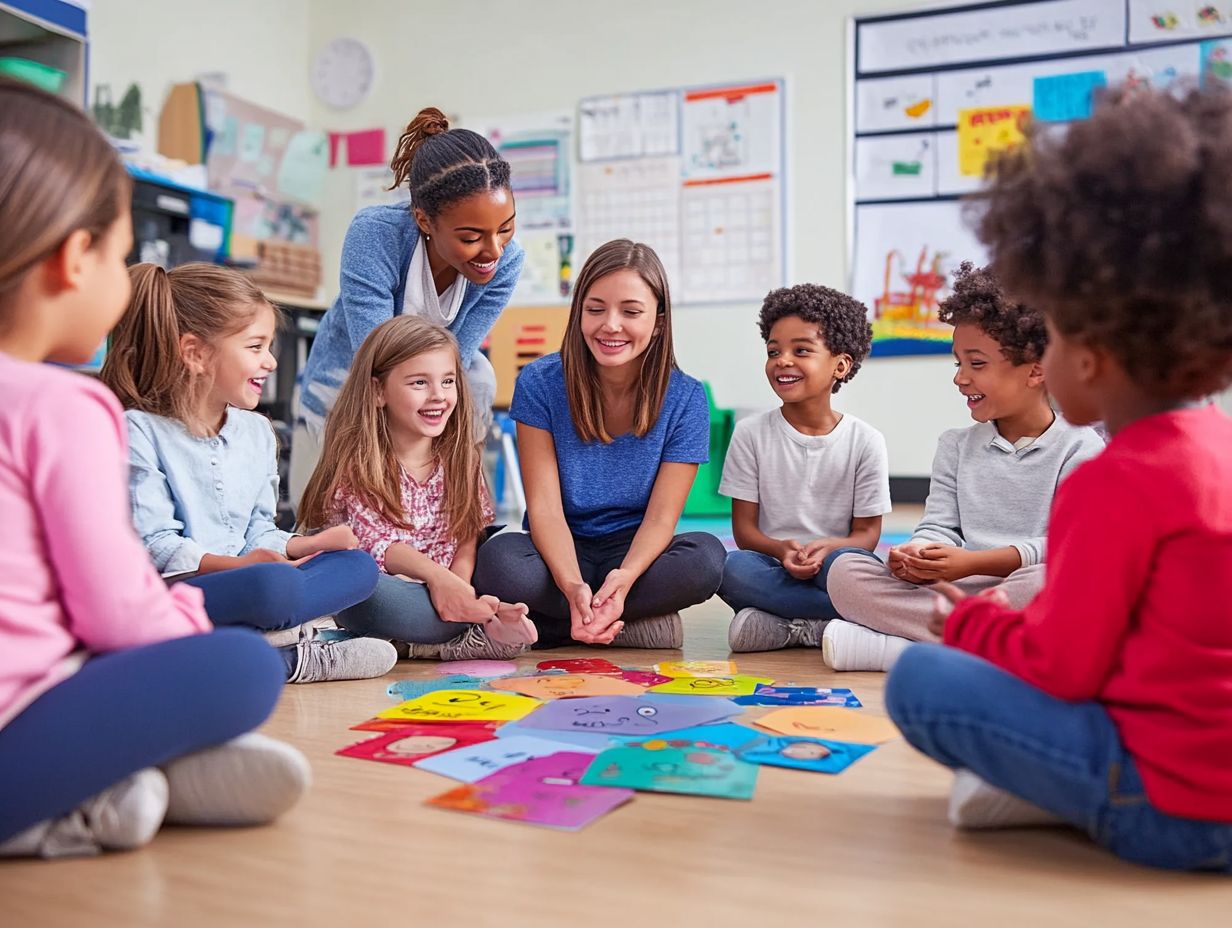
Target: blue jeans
1064, 757
402, 611
752, 580
269, 597
128, 710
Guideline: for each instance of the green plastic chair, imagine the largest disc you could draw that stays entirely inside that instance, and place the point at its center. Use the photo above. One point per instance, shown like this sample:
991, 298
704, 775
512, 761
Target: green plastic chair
704, 499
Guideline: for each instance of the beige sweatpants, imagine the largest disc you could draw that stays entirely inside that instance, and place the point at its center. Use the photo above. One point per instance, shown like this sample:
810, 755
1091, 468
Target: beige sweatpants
864, 591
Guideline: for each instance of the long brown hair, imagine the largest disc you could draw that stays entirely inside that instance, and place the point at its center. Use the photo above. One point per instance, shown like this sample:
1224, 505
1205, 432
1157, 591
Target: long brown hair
657, 362
144, 367
358, 454
58, 174
441, 165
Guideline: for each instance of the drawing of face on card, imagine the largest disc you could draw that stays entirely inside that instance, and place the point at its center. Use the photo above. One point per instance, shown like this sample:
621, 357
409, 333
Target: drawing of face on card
831, 723
692, 770
710, 686
473, 763
459, 705
696, 668
619, 715
723, 736
805, 753
580, 665
412, 743
567, 685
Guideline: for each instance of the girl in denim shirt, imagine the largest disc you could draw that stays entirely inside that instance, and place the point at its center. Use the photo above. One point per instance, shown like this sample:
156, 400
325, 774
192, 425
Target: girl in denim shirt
188, 362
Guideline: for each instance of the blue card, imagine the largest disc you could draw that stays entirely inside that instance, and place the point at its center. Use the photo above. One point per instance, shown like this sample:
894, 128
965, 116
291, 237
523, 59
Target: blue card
721, 736
474, 762
695, 771
805, 753
579, 740
800, 696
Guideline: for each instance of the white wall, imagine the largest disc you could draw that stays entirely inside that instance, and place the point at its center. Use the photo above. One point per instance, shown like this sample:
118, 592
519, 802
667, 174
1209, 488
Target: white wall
493, 57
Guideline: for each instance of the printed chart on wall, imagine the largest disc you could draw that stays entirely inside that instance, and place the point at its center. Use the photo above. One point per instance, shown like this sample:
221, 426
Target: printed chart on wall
697, 174
933, 105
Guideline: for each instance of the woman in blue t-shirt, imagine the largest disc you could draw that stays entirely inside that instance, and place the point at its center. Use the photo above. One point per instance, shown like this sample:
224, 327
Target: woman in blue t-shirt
610, 434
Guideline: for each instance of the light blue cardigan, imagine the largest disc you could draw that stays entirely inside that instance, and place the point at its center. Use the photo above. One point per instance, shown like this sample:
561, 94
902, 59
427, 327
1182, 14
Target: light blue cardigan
375, 258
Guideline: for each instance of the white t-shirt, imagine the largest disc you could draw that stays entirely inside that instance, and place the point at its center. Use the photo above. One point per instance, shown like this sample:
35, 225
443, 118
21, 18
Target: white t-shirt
807, 486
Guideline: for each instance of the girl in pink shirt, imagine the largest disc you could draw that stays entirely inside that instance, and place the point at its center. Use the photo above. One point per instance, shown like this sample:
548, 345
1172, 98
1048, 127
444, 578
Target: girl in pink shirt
399, 465
120, 707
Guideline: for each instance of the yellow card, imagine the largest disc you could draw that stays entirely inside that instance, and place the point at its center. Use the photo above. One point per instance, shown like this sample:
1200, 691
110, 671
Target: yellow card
739, 685
696, 668
833, 722
462, 706
986, 130
564, 685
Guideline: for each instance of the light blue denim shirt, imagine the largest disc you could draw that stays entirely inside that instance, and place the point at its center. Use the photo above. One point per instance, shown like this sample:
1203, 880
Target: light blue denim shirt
194, 496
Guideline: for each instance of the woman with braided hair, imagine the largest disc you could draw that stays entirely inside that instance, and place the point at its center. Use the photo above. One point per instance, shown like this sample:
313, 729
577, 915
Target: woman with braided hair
450, 258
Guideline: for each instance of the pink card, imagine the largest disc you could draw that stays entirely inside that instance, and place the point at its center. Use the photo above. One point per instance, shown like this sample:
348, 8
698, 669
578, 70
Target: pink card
580, 665
645, 678
542, 791
411, 743
478, 668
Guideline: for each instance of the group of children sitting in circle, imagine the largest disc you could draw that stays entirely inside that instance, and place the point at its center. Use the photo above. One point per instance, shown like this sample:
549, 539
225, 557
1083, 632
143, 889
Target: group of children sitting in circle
1075, 600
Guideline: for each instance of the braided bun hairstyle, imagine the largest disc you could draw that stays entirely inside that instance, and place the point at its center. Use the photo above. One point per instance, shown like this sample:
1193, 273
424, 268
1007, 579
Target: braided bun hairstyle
441, 165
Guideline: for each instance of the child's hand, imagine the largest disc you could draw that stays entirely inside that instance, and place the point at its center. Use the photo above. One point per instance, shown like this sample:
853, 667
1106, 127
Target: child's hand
609, 605
815, 552
792, 562
338, 538
455, 601
260, 556
897, 563
950, 596
939, 562
581, 612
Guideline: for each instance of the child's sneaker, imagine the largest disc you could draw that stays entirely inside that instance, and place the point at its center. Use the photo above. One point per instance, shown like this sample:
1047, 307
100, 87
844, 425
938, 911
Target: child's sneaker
977, 804
758, 630
473, 644
656, 631
354, 659
847, 646
249, 780
120, 818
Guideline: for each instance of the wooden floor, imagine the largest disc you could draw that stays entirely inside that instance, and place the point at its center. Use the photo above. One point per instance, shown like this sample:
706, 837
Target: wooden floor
867, 847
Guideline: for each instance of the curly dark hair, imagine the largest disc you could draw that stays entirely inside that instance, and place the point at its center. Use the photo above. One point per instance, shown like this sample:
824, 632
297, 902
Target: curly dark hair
843, 320
977, 298
1120, 229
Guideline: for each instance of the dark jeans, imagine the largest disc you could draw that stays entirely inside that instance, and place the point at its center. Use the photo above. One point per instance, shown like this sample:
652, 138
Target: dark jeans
758, 581
128, 710
688, 572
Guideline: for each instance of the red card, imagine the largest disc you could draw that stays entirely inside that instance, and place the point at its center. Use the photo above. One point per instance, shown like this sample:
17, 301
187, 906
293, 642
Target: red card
395, 724
644, 677
580, 665
415, 742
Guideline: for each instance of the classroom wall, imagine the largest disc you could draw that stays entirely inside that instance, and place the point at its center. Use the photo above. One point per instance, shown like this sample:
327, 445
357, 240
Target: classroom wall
490, 58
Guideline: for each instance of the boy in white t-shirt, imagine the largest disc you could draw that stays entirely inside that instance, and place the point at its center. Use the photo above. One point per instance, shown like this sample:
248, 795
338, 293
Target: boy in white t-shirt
806, 481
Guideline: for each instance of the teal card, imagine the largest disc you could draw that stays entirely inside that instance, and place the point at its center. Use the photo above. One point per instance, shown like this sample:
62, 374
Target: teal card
692, 770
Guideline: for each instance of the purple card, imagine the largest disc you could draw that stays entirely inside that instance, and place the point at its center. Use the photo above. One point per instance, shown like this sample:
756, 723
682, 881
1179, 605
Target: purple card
622, 715
543, 791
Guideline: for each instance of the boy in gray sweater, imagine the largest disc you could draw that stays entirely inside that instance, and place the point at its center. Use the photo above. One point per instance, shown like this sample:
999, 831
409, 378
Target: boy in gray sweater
991, 491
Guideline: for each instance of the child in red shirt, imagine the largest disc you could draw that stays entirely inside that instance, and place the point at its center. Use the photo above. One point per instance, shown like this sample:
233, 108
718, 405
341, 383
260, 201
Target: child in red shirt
1107, 702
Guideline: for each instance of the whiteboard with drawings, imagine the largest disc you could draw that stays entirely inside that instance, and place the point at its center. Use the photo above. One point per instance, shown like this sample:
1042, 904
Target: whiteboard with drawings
934, 92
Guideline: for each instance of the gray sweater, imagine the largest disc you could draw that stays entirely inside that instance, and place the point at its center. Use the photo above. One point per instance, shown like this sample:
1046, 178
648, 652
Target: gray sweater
984, 494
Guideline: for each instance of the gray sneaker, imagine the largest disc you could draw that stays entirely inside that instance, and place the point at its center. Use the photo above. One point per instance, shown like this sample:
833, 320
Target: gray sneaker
472, 645
757, 630
656, 631
353, 659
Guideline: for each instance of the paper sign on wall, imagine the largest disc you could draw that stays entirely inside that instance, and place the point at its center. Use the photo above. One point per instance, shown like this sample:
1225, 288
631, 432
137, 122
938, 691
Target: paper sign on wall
984, 131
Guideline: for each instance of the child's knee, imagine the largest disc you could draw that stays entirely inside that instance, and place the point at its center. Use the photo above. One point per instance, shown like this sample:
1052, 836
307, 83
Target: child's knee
740, 576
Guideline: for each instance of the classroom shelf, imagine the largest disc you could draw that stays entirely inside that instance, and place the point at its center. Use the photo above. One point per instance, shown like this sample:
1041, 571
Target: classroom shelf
51, 32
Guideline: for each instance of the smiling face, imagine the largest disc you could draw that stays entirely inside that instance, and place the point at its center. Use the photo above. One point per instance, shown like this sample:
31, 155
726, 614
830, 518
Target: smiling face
241, 362
620, 318
420, 394
799, 366
994, 387
470, 235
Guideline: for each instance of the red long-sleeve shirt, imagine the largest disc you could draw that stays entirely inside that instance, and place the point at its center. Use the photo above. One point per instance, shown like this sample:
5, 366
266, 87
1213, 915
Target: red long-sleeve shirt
1136, 612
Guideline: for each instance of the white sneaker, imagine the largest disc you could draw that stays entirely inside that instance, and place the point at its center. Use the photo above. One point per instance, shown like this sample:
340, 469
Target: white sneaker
249, 780
758, 630
976, 804
847, 646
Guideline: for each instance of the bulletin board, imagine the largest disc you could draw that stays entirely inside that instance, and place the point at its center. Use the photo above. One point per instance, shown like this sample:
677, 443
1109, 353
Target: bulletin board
933, 93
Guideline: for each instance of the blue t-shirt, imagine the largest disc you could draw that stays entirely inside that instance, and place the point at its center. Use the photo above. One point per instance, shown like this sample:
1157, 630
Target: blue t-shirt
606, 488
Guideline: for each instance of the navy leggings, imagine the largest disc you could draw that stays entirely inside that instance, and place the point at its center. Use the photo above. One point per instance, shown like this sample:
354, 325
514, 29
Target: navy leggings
269, 597
128, 710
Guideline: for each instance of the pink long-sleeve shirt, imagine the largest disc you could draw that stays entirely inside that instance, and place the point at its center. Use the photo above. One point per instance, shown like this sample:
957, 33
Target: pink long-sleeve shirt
74, 578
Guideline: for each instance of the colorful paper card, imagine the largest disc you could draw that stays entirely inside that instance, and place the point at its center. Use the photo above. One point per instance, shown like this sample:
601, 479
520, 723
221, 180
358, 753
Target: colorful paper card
696, 668
412, 743
800, 696
721, 706
692, 770
462, 705
830, 723
802, 753
580, 665
1065, 97
618, 715
409, 689
593, 742
399, 724
646, 678
472, 763
544, 791
483, 669
720, 736
739, 685
984, 131
567, 685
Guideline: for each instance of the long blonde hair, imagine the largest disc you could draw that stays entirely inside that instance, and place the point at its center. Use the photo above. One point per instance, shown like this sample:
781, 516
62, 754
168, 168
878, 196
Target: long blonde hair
144, 366
657, 362
357, 452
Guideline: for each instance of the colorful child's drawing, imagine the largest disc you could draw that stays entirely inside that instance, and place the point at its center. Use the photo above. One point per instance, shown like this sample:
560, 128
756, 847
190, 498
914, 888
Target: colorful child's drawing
800, 696
580, 665
804, 754
830, 722
462, 705
739, 685
412, 743
622, 715
696, 668
692, 770
474, 762
567, 685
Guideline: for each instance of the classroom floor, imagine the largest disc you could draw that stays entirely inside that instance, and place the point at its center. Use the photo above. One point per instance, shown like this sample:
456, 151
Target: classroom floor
868, 847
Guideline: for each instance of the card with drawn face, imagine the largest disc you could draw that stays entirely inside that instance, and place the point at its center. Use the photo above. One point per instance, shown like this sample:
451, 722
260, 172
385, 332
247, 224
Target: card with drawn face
619, 715
645, 678
473, 763
692, 770
739, 685
543, 791
696, 668
719, 736
818, 755
412, 743
567, 685
462, 705
580, 665
831, 723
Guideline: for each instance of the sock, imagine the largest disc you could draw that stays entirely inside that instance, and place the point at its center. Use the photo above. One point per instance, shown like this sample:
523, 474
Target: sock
250, 780
976, 804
